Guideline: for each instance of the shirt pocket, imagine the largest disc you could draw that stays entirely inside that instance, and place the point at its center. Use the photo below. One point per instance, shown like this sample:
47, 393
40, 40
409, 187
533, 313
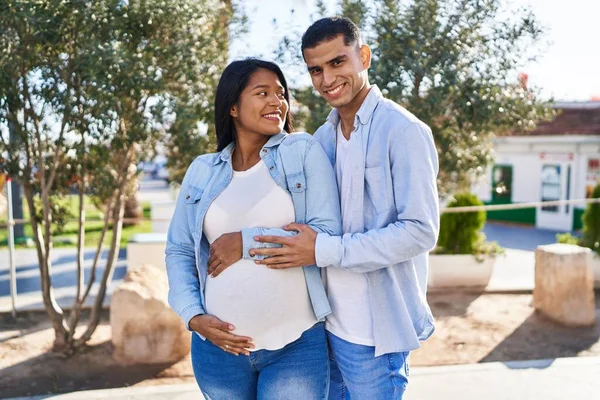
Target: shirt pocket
192, 200
376, 188
296, 182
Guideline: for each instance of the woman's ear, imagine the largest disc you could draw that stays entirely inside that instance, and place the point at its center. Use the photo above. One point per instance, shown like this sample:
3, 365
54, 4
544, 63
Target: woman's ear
233, 112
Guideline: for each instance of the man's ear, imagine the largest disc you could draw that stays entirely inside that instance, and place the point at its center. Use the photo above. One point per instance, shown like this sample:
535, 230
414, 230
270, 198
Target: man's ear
365, 55
234, 111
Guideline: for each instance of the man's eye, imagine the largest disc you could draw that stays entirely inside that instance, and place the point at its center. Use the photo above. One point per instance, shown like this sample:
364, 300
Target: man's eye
315, 71
337, 62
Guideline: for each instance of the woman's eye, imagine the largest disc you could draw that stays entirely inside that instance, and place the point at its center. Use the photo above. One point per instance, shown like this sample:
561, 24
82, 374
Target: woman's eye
281, 95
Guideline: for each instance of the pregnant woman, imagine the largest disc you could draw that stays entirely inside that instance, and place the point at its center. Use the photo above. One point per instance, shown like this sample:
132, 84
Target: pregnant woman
258, 332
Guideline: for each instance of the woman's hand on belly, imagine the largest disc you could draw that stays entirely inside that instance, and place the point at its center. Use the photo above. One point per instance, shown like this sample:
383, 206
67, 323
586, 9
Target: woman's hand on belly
224, 252
218, 332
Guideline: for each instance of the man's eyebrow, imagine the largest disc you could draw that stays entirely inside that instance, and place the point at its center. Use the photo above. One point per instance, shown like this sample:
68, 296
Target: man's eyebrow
339, 58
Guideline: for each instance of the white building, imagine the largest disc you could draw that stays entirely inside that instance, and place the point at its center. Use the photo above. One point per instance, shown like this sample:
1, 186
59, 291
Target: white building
559, 160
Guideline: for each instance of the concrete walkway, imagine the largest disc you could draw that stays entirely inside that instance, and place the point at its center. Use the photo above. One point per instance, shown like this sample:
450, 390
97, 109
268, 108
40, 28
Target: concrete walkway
566, 378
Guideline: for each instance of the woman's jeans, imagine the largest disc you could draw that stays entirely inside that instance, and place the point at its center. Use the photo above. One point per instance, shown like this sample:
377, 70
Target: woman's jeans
300, 370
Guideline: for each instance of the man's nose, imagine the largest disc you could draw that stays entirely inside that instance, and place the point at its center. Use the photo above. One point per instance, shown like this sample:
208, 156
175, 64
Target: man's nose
328, 78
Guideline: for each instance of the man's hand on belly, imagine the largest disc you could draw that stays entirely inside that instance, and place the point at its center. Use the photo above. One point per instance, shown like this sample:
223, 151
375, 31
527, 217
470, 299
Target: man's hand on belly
219, 334
224, 251
296, 251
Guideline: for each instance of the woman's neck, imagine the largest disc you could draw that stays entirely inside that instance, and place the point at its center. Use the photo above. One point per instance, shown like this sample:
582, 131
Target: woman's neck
247, 151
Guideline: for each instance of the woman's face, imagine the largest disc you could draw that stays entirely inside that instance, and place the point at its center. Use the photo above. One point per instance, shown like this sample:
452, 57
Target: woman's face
262, 107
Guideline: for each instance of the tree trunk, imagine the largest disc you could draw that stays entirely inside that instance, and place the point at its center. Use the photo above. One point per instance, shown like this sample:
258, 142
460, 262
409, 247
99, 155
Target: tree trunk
133, 208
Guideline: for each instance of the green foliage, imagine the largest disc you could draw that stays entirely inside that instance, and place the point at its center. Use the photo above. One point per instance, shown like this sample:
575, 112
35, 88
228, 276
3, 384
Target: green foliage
61, 212
591, 223
312, 109
455, 65
460, 232
567, 238
87, 89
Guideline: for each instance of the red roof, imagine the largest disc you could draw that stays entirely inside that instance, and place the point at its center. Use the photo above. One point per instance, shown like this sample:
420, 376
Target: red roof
571, 120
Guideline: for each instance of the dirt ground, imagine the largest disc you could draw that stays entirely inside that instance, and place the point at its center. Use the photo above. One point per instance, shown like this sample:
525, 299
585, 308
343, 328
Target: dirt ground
471, 328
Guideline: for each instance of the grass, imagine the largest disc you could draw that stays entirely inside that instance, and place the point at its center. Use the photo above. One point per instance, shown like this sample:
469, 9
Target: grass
93, 226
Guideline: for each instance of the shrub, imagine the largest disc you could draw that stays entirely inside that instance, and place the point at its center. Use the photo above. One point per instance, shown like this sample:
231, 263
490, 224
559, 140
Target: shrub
567, 238
460, 232
591, 224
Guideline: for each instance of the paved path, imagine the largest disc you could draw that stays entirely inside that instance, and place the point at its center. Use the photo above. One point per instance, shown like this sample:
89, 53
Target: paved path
64, 277
566, 378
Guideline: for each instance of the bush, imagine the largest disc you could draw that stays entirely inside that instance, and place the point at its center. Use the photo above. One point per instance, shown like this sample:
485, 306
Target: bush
591, 224
567, 238
460, 232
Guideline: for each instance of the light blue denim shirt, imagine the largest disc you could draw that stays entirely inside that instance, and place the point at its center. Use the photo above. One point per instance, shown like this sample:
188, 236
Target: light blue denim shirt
395, 207
307, 173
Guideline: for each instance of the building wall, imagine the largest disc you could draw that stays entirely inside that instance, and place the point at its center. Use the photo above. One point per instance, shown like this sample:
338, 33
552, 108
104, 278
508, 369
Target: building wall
524, 154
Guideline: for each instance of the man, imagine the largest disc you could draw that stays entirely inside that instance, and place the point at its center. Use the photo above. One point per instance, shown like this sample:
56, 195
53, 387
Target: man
386, 166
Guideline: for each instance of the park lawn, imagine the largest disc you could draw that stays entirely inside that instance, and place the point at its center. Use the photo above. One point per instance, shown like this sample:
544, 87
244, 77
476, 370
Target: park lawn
93, 226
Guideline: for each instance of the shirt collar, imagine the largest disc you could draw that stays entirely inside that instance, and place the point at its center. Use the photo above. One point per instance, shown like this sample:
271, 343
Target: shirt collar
365, 111
226, 153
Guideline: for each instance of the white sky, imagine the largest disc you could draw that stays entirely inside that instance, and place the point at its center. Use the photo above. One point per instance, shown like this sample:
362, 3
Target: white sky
569, 69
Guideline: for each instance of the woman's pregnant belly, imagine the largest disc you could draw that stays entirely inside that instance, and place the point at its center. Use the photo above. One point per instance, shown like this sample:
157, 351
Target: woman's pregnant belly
270, 306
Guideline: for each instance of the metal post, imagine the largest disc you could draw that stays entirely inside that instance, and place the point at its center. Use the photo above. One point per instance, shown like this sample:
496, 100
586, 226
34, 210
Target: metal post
11, 248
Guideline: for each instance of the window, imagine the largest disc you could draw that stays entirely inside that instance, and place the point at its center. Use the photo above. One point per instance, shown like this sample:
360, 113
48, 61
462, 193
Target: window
502, 183
551, 186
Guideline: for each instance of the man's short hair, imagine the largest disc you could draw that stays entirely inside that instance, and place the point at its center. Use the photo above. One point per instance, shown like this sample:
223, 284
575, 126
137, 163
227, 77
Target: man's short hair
329, 28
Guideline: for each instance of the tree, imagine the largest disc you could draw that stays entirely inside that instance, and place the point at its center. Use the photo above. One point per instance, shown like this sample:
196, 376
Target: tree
454, 64
86, 86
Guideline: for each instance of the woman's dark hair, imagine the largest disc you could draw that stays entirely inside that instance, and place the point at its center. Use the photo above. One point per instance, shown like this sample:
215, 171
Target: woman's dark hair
233, 81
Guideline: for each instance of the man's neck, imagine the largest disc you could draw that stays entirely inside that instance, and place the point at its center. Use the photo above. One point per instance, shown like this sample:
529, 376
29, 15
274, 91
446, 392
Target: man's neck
348, 112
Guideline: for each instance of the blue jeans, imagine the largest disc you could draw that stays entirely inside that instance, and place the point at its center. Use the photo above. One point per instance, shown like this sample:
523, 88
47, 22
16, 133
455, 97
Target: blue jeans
300, 370
357, 374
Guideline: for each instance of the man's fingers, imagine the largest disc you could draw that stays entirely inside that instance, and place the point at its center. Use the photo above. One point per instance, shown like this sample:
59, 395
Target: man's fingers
271, 252
294, 227
274, 260
272, 239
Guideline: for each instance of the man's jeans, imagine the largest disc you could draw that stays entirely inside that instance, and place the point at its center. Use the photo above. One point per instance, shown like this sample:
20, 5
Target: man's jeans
300, 370
357, 374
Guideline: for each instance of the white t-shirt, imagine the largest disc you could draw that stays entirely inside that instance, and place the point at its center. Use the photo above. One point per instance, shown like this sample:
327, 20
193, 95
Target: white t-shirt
270, 306
348, 292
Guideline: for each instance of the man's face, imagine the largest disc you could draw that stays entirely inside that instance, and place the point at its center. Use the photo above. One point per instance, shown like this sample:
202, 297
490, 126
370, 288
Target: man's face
338, 72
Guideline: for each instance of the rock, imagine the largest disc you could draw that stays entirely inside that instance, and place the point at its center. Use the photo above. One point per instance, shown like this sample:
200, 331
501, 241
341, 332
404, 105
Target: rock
145, 330
564, 284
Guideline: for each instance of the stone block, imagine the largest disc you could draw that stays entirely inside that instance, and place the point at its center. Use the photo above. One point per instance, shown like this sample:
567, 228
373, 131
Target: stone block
564, 284
145, 330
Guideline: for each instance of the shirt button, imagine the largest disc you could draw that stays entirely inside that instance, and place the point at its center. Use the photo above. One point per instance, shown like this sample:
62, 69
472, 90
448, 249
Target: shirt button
187, 197
271, 168
298, 185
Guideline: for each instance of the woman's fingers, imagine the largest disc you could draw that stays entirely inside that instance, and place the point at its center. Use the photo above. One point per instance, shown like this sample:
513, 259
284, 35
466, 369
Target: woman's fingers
213, 264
